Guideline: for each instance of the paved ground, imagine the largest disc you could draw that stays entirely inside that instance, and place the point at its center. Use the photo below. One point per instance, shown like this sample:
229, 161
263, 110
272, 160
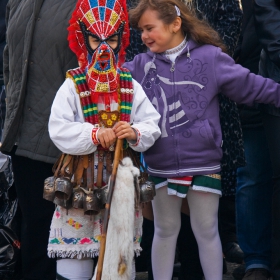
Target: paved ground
227, 276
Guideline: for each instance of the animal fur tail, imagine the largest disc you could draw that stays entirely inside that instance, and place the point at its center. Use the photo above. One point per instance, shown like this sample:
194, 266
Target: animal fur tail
119, 250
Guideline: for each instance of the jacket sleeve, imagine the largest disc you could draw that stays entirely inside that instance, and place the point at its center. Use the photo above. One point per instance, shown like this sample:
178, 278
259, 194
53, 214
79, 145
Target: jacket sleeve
145, 120
10, 10
267, 20
67, 128
242, 86
228, 23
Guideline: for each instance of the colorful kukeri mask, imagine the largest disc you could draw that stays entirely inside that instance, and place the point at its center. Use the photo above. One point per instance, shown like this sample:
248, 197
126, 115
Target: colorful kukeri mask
100, 19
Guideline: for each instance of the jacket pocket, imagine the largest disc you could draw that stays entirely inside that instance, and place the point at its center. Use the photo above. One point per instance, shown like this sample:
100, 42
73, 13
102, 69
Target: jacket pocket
210, 135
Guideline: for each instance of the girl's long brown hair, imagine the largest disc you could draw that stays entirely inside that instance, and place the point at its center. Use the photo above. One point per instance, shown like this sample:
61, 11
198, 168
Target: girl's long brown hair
198, 30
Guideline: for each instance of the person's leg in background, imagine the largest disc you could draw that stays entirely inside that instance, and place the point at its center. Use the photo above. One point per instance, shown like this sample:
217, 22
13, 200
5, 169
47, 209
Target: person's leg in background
253, 204
272, 130
36, 217
227, 229
144, 261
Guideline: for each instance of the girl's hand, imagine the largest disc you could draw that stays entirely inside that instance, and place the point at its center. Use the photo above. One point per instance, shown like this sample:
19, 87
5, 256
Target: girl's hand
106, 137
124, 130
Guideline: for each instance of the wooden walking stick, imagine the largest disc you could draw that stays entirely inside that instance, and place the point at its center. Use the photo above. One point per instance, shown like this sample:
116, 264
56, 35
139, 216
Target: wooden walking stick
117, 158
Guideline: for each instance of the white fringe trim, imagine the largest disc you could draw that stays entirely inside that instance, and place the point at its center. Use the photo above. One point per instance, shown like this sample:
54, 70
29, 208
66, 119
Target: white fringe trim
205, 189
91, 253
160, 185
72, 254
194, 187
173, 192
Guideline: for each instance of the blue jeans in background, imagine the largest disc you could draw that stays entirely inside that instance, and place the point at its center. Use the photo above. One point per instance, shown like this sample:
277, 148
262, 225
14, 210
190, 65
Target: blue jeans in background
254, 200
272, 130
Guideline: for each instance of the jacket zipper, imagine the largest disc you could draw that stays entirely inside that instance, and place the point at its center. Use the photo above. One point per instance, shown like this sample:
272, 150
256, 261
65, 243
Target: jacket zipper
172, 70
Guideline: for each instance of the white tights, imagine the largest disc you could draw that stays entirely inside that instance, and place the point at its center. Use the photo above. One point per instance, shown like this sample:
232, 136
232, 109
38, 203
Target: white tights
75, 269
204, 222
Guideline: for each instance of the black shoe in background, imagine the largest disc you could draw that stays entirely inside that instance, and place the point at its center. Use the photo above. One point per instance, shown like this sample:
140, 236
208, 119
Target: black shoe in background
257, 274
233, 253
239, 272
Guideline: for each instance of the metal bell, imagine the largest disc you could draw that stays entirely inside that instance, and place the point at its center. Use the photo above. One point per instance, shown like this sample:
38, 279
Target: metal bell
91, 203
67, 204
78, 198
102, 194
48, 192
63, 188
147, 191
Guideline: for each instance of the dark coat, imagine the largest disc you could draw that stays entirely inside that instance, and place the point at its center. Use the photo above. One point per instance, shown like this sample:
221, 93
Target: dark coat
248, 55
3, 4
36, 59
223, 16
267, 17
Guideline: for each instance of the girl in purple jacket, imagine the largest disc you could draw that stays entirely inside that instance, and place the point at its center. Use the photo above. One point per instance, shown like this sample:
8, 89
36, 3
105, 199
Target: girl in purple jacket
182, 73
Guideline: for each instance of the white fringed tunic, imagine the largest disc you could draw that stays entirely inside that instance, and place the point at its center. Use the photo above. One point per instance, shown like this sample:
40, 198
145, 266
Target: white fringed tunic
73, 234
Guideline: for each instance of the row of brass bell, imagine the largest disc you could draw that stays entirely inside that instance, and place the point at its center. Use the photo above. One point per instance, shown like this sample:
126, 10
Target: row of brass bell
61, 191
92, 201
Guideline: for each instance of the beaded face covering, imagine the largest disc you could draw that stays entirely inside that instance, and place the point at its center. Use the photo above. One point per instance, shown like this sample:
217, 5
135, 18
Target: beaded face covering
101, 19
102, 74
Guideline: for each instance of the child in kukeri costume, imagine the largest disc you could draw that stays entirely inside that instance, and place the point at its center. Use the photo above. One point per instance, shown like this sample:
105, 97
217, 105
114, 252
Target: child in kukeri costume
182, 74
98, 103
